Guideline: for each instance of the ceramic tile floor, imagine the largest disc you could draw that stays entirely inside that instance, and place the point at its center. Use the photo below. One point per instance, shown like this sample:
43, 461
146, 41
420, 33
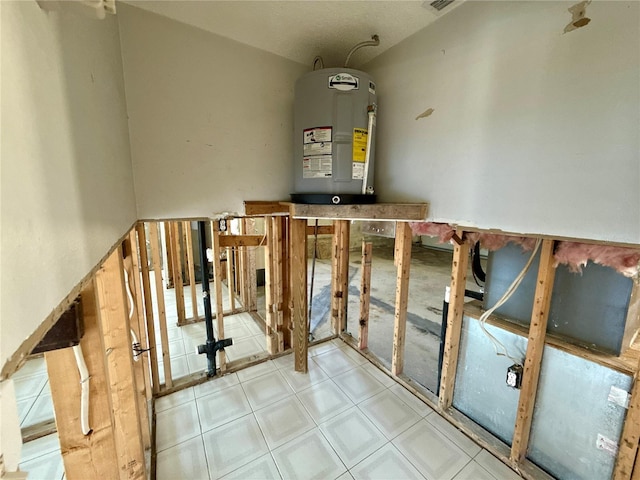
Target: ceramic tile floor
345, 419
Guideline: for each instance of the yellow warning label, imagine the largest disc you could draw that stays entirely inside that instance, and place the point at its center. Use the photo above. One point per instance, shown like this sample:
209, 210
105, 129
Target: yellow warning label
359, 144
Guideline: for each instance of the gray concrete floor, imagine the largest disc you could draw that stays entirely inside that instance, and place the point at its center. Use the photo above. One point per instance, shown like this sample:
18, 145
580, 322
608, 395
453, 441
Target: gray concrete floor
430, 273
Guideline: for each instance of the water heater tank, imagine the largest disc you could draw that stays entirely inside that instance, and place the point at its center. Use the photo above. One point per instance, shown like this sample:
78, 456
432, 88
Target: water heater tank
334, 113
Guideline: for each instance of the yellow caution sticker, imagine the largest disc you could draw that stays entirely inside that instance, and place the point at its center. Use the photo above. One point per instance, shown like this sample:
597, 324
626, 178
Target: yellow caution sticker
359, 144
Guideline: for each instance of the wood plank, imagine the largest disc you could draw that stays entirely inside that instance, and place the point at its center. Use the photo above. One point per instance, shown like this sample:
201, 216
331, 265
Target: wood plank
242, 240
322, 230
166, 252
535, 348
139, 298
135, 319
252, 281
186, 274
90, 457
270, 288
148, 307
192, 274
343, 281
365, 295
630, 437
231, 284
259, 208
409, 212
115, 327
299, 293
285, 322
454, 323
277, 241
176, 261
403, 250
217, 280
242, 269
336, 255
154, 241
635, 475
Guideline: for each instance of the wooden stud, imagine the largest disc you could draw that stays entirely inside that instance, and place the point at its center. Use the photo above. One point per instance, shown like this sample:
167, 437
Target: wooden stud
162, 317
403, 260
166, 252
242, 269
365, 294
217, 280
136, 320
192, 274
176, 255
454, 323
93, 456
343, 283
339, 275
231, 272
277, 242
115, 327
252, 292
270, 289
148, 307
336, 253
535, 348
138, 296
299, 293
626, 461
185, 227
285, 307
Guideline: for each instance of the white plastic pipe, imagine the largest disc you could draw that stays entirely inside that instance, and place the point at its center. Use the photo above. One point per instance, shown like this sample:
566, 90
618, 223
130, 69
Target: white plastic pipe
367, 156
84, 397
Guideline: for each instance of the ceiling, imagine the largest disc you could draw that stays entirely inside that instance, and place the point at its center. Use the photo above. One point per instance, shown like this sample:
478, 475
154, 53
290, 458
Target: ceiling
301, 29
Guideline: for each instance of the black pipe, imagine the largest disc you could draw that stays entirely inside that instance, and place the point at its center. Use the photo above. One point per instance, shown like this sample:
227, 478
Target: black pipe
211, 347
443, 329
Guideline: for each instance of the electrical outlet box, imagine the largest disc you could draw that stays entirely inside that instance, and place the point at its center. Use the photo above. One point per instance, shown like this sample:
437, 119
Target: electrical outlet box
514, 376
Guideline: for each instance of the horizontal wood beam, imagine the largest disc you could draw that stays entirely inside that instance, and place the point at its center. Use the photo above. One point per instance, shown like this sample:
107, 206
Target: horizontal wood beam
321, 230
411, 212
242, 241
255, 208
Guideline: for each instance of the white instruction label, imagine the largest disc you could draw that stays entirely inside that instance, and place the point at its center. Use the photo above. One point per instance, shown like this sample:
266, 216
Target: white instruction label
317, 134
606, 444
619, 397
357, 171
318, 166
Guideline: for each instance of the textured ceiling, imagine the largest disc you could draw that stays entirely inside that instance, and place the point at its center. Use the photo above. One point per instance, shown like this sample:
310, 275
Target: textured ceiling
301, 29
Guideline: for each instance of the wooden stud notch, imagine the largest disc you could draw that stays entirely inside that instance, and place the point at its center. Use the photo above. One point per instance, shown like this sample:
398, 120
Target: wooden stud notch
454, 323
535, 348
403, 262
365, 295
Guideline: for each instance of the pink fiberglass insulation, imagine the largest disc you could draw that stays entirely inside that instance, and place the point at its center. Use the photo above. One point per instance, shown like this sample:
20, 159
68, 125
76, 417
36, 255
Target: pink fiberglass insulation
576, 255
443, 231
573, 254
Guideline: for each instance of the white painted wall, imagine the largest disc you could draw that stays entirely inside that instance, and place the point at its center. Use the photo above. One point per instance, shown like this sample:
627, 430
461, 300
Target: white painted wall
533, 131
67, 187
210, 119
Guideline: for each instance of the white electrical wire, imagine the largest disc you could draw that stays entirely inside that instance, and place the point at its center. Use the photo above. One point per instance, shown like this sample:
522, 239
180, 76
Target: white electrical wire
506, 296
135, 345
84, 396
